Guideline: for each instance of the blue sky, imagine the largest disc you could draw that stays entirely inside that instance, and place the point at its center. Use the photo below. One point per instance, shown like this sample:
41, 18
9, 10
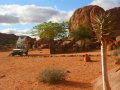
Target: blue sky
19, 16
60, 4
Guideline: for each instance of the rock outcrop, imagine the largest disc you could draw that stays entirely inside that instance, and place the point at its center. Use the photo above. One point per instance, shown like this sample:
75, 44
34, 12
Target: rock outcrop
84, 17
114, 79
6, 37
7, 41
118, 39
115, 17
42, 43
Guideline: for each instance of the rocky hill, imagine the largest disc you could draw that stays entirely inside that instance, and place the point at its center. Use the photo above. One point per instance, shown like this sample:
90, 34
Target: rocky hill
7, 37
7, 40
115, 14
84, 17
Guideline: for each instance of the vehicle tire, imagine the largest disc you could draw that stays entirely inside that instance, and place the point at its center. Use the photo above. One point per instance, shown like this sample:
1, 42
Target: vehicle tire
12, 54
21, 54
26, 53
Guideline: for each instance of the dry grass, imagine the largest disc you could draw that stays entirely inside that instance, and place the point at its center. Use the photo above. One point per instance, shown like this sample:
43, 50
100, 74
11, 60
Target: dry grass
52, 76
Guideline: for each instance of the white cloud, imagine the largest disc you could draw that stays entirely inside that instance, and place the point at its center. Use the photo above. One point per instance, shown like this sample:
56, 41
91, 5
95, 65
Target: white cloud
18, 14
63, 16
16, 32
106, 4
23, 32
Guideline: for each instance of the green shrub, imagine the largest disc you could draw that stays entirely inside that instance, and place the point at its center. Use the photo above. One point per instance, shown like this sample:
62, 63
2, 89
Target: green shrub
52, 76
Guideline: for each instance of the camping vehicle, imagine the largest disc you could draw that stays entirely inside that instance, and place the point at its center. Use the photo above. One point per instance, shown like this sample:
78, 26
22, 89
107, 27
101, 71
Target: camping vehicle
22, 46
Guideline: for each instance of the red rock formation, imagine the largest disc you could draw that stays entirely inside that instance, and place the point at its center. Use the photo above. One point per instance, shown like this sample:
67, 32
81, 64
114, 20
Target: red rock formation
118, 39
83, 16
115, 15
87, 58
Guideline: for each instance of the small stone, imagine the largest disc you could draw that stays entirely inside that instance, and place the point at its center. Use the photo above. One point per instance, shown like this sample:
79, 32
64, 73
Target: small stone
87, 58
2, 76
117, 61
68, 71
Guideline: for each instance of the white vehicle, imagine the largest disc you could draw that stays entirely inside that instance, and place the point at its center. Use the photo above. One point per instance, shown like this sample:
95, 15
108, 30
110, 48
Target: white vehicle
21, 47
19, 52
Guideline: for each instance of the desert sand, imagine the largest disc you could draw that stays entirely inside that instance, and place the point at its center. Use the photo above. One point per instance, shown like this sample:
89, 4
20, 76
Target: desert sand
20, 73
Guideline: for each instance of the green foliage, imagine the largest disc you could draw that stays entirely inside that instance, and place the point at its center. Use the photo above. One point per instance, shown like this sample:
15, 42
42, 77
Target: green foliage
50, 30
52, 76
81, 33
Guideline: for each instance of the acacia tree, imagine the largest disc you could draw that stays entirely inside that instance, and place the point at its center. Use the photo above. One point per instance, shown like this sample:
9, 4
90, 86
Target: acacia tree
103, 28
50, 31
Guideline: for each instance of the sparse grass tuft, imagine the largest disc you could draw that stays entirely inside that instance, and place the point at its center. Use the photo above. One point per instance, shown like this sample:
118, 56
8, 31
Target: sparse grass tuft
52, 76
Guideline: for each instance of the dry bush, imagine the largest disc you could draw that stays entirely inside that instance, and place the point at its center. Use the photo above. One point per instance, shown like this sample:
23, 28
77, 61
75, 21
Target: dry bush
52, 76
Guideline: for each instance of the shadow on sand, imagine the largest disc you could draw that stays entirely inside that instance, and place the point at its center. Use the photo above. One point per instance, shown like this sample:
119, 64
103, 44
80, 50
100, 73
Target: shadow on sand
77, 84
94, 61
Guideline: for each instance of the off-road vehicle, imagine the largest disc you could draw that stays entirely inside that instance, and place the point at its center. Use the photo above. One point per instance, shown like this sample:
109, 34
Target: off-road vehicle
20, 52
22, 47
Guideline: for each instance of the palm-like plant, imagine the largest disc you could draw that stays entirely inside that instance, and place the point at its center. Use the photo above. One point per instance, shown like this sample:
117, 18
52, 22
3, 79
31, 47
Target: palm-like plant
103, 28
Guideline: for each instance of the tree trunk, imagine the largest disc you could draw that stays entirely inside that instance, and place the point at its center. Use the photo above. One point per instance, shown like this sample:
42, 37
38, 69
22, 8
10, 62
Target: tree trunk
106, 85
51, 46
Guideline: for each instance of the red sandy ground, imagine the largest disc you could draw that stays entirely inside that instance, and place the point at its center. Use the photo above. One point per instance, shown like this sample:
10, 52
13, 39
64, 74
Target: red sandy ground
20, 73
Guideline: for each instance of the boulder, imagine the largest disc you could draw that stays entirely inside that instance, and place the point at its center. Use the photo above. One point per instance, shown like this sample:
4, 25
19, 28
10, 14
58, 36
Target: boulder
118, 39
41, 43
87, 58
117, 61
114, 78
85, 17
115, 15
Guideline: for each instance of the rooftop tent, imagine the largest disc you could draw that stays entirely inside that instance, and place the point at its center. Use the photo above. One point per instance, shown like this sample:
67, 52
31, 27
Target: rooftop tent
21, 42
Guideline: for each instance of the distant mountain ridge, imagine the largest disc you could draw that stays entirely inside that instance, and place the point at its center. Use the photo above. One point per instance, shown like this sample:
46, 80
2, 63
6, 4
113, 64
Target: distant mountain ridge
7, 41
7, 37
